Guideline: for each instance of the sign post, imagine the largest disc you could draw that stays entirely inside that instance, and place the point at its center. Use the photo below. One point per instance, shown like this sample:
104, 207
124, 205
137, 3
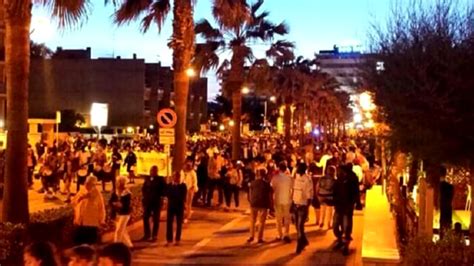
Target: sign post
167, 119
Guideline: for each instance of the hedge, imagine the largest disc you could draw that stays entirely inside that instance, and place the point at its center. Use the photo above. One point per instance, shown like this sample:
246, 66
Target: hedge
55, 226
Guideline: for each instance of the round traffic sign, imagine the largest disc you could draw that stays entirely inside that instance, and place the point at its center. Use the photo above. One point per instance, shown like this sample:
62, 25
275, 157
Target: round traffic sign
166, 118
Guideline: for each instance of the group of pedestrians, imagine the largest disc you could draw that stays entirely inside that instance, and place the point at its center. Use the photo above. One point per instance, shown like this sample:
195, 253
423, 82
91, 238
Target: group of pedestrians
328, 184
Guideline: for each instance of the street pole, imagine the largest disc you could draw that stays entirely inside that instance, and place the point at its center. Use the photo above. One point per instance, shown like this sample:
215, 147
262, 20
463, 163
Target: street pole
265, 114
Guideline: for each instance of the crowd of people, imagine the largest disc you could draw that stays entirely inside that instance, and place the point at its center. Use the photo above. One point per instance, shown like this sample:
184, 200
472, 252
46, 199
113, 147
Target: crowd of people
282, 181
46, 254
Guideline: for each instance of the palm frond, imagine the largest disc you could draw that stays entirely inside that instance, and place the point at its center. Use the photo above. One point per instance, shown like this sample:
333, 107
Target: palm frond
158, 12
131, 10
231, 14
205, 29
68, 12
206, 56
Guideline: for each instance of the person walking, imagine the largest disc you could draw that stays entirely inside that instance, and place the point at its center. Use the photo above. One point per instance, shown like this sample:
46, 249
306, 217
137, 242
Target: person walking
302, 197
152, 191
189, 178
260, 199
346, 195
176, 193
130, 162
116, 162
282, 185
234, 179
121, 203
213, 169
89, 212
325, 193
31, 163
202, 176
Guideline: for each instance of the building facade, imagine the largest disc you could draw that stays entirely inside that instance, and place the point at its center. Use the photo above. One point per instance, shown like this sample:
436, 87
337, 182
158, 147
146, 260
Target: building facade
342, 64
160, 94
134, 90
72, 80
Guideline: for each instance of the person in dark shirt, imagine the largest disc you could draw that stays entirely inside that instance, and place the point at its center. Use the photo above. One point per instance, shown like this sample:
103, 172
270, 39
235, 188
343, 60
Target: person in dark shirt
152, 191
176, 193
260, 193
120, 202
116, 162
130, 161
346, 196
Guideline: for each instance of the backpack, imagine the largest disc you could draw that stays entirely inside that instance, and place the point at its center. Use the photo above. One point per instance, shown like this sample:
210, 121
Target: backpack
326, 189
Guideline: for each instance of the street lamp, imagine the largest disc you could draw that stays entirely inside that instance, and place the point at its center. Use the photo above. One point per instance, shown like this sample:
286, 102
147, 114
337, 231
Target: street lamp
245, 90
231, 123
221, 127
272, 99
190, 72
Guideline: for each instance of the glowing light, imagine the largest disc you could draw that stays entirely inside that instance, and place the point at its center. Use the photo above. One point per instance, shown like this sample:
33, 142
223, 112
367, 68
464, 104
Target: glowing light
308, 124
245, 90
99, 114
357, 118
368, 115
2, 124
129, 130
273, 98
365, 101
221, 127
151, 127
369, 124
231, 123
316, 132
190, 72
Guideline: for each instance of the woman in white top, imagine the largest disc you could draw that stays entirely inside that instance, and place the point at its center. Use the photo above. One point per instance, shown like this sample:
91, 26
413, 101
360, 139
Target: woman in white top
189, 178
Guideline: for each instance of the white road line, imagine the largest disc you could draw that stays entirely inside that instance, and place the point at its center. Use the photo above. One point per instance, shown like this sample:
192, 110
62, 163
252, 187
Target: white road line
206, 241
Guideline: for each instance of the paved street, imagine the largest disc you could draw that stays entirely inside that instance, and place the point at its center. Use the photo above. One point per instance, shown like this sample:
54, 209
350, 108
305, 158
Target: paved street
219, 237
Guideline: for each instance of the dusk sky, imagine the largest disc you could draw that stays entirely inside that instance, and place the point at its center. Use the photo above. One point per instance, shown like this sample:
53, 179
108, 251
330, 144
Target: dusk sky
314, 25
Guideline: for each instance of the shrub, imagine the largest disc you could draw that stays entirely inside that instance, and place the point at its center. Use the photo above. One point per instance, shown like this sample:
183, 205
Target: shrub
448, 251
12, 241
53, 225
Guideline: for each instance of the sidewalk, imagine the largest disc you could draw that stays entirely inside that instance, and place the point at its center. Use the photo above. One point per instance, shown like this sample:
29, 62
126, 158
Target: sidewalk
229, 247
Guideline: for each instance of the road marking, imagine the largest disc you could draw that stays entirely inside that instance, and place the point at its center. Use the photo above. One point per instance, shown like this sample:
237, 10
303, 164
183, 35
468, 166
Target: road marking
206, 241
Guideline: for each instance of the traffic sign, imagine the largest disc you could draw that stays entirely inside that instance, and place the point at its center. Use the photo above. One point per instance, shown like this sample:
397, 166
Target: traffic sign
166, 136
166, 118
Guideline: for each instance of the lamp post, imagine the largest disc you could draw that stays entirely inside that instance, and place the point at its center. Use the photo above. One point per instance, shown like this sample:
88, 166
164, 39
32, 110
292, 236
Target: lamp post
265, 106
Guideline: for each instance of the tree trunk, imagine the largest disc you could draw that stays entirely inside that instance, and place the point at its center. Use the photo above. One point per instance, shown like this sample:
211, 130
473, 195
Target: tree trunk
17, 67
287, 122
302, 127
236, 81
183, 50
237, 108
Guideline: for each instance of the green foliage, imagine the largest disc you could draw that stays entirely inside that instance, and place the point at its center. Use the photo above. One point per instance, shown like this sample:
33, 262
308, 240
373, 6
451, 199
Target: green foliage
425, 87
448, 251
11, 241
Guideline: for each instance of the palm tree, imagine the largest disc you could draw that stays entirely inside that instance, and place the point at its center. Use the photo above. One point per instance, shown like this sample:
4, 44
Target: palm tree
240, 26
182, 43
17, 18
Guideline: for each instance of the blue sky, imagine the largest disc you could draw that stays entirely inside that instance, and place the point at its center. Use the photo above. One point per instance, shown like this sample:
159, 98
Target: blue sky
314, 25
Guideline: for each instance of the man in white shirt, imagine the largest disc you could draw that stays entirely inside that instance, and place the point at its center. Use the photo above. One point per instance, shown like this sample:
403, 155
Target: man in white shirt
282, 185
302, 196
